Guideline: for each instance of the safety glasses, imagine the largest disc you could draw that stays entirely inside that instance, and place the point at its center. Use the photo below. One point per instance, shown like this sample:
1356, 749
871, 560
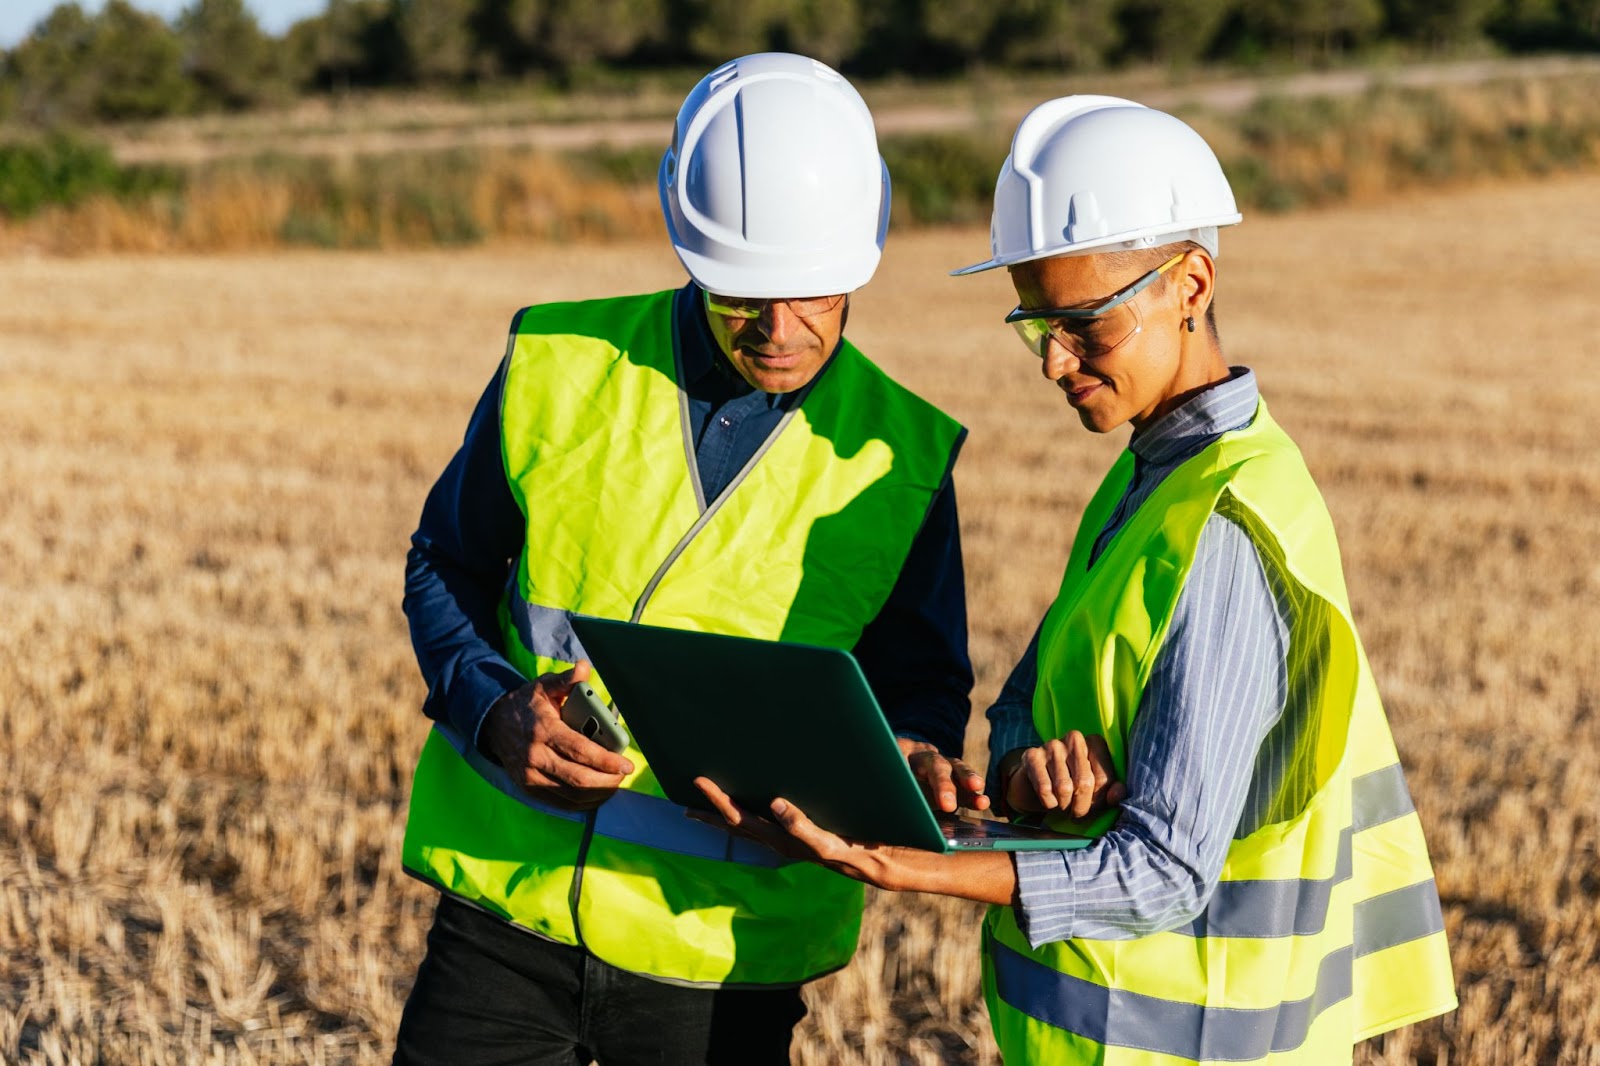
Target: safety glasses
751, 307
1088, 332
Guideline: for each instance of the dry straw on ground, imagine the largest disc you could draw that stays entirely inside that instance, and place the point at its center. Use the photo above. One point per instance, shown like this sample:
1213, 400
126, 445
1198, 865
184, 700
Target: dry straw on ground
210, 467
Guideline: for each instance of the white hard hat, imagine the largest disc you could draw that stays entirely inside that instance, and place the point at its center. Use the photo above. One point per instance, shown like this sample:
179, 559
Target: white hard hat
1100, 174
773, 185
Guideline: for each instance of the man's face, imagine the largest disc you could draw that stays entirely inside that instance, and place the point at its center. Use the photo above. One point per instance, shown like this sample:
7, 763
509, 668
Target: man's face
1129, 382
778, 350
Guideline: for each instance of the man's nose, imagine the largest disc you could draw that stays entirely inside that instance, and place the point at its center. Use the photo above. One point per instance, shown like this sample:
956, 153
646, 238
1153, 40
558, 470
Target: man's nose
778, 322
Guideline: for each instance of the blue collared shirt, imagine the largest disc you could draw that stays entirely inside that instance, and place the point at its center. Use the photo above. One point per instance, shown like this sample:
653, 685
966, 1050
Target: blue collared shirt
1217, 687
914, 653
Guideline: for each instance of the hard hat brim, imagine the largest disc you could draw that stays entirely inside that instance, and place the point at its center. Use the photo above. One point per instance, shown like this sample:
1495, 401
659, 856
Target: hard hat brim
1099, 244
781, 279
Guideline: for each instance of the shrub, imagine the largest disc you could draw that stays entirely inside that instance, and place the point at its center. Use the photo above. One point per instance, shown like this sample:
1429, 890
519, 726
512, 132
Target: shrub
66, 170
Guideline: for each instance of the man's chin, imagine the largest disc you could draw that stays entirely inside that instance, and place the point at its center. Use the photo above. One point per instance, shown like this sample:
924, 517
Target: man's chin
776, 376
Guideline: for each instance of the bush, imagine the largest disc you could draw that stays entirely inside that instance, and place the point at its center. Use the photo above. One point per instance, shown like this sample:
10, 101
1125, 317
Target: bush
66, 170
943, 178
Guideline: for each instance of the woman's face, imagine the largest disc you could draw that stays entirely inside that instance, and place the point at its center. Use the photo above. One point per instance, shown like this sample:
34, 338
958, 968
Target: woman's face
1136, 379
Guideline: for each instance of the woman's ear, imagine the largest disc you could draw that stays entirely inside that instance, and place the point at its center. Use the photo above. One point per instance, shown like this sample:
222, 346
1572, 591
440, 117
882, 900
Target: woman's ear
1197, 281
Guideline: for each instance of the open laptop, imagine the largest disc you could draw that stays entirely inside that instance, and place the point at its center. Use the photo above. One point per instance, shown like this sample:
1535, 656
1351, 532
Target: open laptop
765, 719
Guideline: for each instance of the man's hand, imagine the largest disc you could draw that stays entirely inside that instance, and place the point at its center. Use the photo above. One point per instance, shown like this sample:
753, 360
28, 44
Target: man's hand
551, 760
948, 783
1071, 774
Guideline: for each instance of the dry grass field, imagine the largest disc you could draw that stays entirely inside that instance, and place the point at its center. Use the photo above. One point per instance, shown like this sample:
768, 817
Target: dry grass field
209, 468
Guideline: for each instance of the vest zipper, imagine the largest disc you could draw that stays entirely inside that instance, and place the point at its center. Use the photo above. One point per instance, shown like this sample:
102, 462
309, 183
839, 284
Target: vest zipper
577, 876
709, 511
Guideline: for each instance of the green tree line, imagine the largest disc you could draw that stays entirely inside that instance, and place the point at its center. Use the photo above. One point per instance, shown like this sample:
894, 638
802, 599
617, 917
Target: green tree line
122, 63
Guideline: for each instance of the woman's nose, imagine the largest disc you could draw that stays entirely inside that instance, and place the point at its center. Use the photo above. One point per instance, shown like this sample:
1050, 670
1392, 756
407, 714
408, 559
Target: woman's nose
1058, 361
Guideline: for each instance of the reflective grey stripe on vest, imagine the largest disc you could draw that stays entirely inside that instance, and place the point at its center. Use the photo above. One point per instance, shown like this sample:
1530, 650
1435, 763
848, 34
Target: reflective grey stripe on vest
1398, 917
1254, 909
1119, 1018
1378, 797
1299, 906
632, 817
545, 631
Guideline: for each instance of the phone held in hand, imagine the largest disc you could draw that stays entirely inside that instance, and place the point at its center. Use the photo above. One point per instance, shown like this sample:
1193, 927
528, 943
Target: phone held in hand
587, 713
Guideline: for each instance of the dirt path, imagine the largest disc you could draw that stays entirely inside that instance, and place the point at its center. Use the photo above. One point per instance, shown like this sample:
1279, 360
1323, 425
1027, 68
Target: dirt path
436, 126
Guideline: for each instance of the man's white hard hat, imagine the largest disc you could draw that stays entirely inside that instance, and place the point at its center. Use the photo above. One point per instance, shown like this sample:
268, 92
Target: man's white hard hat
1099, 174
773, 185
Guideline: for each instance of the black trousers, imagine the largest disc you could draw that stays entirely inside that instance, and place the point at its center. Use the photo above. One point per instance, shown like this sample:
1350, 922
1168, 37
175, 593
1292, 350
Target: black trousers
488, 994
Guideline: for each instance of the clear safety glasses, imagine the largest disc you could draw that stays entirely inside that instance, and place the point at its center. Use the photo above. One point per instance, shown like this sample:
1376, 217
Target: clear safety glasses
1088, 332
751, 307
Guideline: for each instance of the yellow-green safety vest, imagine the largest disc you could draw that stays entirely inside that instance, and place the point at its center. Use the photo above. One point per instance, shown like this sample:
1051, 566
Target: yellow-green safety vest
804, 544
1326, 926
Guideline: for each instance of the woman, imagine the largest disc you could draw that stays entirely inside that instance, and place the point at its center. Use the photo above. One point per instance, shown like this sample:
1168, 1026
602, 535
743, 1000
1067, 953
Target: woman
1264, 888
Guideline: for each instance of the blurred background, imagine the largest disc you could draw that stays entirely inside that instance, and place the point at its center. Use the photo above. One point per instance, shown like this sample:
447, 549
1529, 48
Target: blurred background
257, 260
215, 124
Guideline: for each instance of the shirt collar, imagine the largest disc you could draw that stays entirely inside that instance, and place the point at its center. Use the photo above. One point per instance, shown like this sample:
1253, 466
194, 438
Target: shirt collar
1227, 405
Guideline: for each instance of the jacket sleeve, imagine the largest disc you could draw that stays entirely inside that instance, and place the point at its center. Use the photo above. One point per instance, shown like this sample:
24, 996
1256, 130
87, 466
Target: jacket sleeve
914, 653
470, 535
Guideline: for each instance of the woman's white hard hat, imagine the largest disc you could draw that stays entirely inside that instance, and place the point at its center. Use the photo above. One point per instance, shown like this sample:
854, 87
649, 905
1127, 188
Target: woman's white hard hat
1098, 174
773, 185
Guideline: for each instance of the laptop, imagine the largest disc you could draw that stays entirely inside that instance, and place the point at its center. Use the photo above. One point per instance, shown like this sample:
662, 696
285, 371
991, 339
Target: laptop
767, 718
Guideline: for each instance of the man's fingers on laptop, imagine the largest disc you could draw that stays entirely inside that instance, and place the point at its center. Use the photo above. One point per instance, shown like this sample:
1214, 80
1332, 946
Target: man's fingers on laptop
970, 783
932, 771
949, 783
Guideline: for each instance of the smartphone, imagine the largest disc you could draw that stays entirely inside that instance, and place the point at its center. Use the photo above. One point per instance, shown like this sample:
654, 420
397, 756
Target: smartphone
586, 712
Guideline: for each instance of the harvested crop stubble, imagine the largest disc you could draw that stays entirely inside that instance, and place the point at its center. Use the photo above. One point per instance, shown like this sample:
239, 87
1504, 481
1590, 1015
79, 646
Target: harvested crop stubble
211, 465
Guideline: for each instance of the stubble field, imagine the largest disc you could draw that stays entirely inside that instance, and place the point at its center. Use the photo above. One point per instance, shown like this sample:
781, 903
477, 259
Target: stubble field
209, 468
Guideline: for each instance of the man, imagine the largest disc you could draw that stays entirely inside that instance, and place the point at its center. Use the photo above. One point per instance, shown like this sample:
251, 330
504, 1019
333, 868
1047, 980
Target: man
716, 458
1264, 888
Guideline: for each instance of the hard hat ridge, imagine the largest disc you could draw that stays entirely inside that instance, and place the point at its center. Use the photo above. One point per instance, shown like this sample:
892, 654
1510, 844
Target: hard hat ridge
1098, 173
773, 184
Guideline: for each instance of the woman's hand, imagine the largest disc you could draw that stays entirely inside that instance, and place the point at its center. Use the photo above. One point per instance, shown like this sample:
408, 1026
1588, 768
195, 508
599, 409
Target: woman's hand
985, 876
1071, 774
789, 832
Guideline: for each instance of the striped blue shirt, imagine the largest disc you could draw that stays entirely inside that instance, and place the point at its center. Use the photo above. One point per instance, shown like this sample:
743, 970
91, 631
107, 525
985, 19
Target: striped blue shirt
1200, 767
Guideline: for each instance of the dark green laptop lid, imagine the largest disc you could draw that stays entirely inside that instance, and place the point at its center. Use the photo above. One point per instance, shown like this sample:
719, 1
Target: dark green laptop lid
762, 719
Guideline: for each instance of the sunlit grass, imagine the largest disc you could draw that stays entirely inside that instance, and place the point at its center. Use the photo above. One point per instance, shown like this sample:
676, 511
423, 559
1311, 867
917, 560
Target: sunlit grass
208, 706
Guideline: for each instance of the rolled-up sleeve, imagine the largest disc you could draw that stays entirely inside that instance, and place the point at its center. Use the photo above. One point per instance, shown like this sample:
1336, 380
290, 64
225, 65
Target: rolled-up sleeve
1217, 687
